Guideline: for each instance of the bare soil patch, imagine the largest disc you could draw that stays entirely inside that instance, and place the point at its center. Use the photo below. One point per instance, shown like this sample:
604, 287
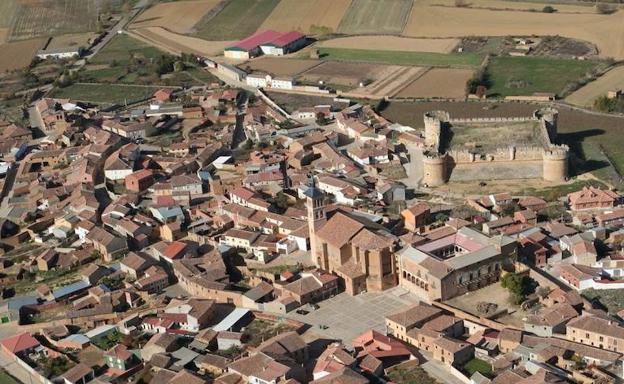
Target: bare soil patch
19, 54
71, 40
177, 16
585, 96
439, 82
393, 43
343, 74
307, 15
605, 31
280, 66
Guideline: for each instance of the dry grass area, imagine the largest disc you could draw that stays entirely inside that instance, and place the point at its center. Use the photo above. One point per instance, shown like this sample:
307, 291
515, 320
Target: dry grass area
517, 5
71, 40
306, 15
280, 66
177, 16
176, 43
439, 82
344, 74
4, 34
19, 54
393, 43
585, 96
606, 31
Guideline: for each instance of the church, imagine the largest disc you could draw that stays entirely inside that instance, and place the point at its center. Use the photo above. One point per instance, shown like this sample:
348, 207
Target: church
343, 242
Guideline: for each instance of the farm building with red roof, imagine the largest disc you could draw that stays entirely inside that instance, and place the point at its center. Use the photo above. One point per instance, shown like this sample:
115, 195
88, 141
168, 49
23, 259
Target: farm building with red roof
266, 42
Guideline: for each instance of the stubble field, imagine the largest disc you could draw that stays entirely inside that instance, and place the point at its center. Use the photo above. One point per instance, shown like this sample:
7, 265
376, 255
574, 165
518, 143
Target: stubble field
177, 44
606, 31
19, 54
585, 96
178, 16
393, 43
306, 15
438, 82
375, 16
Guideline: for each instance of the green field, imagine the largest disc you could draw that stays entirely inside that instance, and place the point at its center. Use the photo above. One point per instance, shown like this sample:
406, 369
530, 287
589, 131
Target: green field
122, 48
522, 76
478, 365
375, 16
402, 57
5, 378
237, 20
7, 10
104, 93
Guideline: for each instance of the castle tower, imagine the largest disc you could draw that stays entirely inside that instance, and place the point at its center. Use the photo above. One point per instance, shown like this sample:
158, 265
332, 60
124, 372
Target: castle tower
315, 206
556, 164
434, 172
549, 117
433, 128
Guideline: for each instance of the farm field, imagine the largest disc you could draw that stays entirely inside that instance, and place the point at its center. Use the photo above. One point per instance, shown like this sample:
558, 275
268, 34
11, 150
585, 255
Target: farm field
280, 66
178, 16
390, 82
36, 18
375, 16
585, 96
290, 102
177, 44
588, 135
71, 40
237, 20
438, 82
527, 75
606, 31
7, 10
401, 57
122, 49
19, 54
393, 43
517, 5
108, 94
307, 16
344, 75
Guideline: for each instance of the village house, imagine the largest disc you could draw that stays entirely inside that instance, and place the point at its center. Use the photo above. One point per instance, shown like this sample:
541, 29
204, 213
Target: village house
592, 198
416, 216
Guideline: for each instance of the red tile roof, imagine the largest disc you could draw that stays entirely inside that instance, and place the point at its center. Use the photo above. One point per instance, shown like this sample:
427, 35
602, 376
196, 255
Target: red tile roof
19, 343
174, 250
256, 40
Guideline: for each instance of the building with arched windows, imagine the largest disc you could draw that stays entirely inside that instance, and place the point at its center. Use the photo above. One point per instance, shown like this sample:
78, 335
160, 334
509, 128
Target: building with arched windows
452, 265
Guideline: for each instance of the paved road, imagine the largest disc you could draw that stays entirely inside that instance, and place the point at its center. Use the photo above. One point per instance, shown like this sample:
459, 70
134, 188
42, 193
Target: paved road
414, 168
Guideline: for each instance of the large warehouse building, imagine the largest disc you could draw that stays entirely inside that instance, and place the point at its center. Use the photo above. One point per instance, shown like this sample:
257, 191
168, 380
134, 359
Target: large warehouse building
265, 42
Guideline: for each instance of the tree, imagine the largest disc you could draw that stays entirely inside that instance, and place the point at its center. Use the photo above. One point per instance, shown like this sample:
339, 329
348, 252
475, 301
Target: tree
542, 292
281, 200
548, 9
517, 285
178, 66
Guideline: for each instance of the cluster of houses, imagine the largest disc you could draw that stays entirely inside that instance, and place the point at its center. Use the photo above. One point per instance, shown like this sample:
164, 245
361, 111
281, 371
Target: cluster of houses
175, 252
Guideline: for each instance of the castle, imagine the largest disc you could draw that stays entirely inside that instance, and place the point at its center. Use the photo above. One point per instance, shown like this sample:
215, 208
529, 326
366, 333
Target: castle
493, 148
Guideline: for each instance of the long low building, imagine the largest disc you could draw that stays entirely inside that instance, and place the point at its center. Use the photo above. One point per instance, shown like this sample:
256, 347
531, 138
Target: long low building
266, 42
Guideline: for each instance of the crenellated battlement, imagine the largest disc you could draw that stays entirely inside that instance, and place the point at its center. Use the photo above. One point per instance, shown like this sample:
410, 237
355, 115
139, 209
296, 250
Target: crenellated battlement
470, 154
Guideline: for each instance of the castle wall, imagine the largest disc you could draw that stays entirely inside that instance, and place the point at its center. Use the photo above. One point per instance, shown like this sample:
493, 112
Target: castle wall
497, 170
